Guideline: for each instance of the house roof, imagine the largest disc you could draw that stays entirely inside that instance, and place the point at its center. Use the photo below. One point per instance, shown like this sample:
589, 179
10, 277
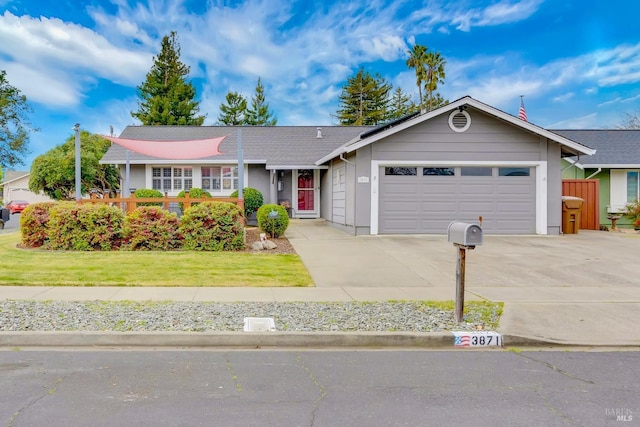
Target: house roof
279, 147
11, 176
617, 148
569, 147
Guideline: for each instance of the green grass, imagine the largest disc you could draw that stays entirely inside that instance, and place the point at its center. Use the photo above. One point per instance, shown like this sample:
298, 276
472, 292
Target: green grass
27, 267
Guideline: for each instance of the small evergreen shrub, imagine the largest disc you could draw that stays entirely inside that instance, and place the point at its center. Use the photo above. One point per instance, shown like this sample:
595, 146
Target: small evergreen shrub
84, 227
252, 200
274, 227
150, 228
212, 226
194, 193
147, 192
33, 224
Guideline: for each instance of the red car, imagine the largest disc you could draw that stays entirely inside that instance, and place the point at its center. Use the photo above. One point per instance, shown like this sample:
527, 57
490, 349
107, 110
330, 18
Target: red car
16, 206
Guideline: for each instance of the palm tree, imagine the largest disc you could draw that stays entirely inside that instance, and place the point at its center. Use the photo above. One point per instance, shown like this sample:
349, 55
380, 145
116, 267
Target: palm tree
417, 59
434, 74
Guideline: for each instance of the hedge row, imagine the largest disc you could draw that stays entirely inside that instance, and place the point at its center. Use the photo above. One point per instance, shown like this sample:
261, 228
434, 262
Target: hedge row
208, 226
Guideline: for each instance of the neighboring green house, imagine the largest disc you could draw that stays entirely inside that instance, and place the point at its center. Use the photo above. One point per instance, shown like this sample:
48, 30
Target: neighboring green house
616, 164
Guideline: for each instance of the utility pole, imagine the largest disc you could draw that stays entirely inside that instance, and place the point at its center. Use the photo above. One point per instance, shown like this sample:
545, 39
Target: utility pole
76, 128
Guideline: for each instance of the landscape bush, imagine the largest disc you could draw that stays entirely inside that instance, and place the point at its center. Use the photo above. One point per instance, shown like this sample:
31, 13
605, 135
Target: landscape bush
194, 193
33, 224
147, 192
274, 227
150, 228
84, 227
252, 200
212, 226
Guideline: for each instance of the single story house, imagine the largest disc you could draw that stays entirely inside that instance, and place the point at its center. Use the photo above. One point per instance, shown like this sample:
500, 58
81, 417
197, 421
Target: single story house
15, 186
466, 161
616, 165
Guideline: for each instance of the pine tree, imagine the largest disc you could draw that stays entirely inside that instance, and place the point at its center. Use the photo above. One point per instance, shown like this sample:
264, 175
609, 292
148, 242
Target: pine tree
259, 114
235, 110
400, 105
364, 100
166, 98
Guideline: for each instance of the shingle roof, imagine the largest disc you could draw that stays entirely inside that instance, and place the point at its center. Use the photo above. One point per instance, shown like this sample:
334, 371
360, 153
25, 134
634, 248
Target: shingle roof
270, 145
614, 146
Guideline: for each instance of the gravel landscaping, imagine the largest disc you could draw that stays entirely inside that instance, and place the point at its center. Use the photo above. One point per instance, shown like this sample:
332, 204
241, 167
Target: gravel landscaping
211, 317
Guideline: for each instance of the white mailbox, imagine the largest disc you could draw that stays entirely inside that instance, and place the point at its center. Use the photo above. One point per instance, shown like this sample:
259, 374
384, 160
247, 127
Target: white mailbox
461, 233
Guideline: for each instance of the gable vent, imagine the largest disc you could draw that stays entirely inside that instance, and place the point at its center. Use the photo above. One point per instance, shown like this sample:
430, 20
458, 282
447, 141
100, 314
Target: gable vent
459, 121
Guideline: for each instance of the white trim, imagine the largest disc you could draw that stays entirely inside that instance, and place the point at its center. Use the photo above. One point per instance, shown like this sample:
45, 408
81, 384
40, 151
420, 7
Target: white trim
541, 184
358, 143
181, 162
14, 179
465, 127
618, 189
609, 166
294, 167
315, 213
196, 176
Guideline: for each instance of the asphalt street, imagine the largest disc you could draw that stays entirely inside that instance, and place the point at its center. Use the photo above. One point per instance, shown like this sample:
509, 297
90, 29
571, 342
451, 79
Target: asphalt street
318, 388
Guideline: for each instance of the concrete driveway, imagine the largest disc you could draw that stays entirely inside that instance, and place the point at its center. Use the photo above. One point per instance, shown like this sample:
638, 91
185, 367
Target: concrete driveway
572, 288
590, 258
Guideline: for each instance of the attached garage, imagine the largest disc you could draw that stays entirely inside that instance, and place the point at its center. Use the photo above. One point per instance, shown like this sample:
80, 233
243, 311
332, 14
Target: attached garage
465, 161
425, 199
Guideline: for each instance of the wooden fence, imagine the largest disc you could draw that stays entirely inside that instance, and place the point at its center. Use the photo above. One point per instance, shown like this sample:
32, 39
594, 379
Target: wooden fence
589, 191
131, 203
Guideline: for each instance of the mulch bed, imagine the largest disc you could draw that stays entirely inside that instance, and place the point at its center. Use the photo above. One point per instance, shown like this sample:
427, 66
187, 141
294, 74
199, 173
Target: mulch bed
253, 235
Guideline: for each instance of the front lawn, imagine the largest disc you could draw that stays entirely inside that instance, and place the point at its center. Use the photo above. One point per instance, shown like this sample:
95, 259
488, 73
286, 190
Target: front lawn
28, 267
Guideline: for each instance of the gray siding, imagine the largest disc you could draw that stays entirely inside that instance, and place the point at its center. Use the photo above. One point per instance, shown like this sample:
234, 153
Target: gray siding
259, 178
554, 187
487, 139
338, 192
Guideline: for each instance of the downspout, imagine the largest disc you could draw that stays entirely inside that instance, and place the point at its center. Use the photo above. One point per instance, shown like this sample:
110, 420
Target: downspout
594, 174
345, 160
355, 194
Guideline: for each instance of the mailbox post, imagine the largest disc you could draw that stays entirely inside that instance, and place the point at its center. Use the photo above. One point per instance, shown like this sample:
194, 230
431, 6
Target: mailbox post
463, 236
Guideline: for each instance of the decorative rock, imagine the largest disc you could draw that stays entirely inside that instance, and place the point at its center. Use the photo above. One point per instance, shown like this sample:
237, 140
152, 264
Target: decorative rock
257, 246
268, 244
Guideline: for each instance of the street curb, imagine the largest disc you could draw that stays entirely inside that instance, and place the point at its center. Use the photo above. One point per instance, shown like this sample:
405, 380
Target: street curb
427, 340
226, 339
510, 340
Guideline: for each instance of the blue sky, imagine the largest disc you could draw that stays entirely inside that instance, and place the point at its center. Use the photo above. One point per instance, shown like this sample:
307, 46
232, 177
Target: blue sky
79, 61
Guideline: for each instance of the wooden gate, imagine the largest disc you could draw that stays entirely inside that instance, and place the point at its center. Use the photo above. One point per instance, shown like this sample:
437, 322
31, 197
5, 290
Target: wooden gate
589, 190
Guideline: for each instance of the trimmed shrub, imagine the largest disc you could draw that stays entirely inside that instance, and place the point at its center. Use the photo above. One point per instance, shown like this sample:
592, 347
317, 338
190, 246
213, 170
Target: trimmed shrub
33, 224
194, 193
274, 227
84, 227
252, 200
147, 192
212, 226
150, 228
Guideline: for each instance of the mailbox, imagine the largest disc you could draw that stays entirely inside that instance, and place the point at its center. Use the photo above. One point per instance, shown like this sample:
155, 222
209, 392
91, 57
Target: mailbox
461, 233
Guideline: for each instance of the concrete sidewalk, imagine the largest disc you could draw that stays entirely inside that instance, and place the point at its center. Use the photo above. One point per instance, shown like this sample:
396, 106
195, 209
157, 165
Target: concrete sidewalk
581, 290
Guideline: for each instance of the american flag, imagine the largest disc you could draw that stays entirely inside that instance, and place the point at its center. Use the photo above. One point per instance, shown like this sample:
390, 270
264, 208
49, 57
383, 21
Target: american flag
522, 114
462, 341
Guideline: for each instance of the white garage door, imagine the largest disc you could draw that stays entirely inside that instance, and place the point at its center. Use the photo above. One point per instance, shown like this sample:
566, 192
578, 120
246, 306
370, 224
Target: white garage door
424, 200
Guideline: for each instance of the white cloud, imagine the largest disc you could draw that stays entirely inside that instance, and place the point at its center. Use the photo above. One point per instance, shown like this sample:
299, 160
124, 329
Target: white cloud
588, 121
43, 86
61, 56
564, 97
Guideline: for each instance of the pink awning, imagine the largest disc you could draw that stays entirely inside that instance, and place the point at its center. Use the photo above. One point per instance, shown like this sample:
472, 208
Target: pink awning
174, 150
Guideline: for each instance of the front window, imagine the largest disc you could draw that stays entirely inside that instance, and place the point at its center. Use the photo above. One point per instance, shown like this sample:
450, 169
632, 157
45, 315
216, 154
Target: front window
633, 186
172, 179
219, 178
